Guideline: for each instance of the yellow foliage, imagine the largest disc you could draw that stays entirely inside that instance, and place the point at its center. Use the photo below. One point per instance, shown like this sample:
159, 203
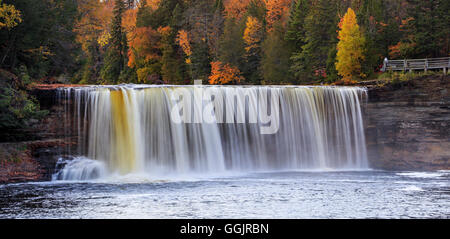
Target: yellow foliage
224, 73
103, 39
143, 74
350, 47
9, 16
252, 34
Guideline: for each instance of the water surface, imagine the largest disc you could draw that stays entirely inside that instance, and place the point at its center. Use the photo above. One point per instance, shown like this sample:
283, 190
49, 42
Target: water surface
338, 194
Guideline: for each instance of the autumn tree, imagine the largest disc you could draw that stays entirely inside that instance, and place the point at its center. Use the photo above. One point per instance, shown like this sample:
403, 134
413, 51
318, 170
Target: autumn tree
235, 8
9, 16
185, 44
253, 36
350, 48
223, 73
93, 22
144, 54
93, 34
277, 11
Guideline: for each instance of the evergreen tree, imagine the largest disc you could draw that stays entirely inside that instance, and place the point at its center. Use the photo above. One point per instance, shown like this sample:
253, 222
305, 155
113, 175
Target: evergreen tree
257, 8
162, 16
428, 28
115, 60
201, 61
144, 14
232, 46
295, 33
253, 36
275, 61
372, 18
91, 69
170, 65
320, 36
43, 41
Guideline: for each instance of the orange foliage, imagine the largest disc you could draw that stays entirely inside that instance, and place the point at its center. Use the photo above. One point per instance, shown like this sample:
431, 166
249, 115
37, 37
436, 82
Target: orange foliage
184, 42
394, 51
164, 31
129, 22
224, 73
145, 45
153, 4
276, 10
400, 49
235, 8
94, 21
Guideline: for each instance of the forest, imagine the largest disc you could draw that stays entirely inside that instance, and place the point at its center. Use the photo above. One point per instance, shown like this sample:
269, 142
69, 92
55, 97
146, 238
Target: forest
248, 42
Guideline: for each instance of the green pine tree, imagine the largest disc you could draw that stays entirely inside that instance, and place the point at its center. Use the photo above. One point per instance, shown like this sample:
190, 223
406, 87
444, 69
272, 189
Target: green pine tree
116, 56
295, 33
170, 68
201, 61
428, 30
320, 36
231, 45
275, 61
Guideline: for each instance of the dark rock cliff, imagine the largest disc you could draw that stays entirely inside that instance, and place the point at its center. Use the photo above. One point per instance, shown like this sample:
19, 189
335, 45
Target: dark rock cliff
408, 124
48, 139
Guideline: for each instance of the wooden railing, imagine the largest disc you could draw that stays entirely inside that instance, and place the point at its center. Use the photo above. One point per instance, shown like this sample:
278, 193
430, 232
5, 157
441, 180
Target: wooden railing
417, 64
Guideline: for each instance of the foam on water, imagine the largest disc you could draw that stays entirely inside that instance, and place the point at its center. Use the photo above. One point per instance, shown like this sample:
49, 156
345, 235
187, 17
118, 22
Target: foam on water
424, 174
412, 188
80, 168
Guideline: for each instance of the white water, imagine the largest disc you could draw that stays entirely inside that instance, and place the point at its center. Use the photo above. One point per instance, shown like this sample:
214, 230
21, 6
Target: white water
80, 168
129, 130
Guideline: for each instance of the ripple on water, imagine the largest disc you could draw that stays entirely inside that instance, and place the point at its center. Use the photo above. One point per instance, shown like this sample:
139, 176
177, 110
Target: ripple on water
266, 195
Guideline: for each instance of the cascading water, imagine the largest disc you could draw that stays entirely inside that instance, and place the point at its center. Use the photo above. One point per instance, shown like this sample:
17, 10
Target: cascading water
130, 129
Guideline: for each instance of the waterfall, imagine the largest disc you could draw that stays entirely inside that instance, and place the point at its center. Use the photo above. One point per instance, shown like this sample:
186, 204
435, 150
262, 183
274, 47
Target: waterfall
130, 128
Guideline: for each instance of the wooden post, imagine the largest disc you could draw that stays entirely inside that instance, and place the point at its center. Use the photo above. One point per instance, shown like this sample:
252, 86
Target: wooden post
404, 65
410, 69
426, 65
